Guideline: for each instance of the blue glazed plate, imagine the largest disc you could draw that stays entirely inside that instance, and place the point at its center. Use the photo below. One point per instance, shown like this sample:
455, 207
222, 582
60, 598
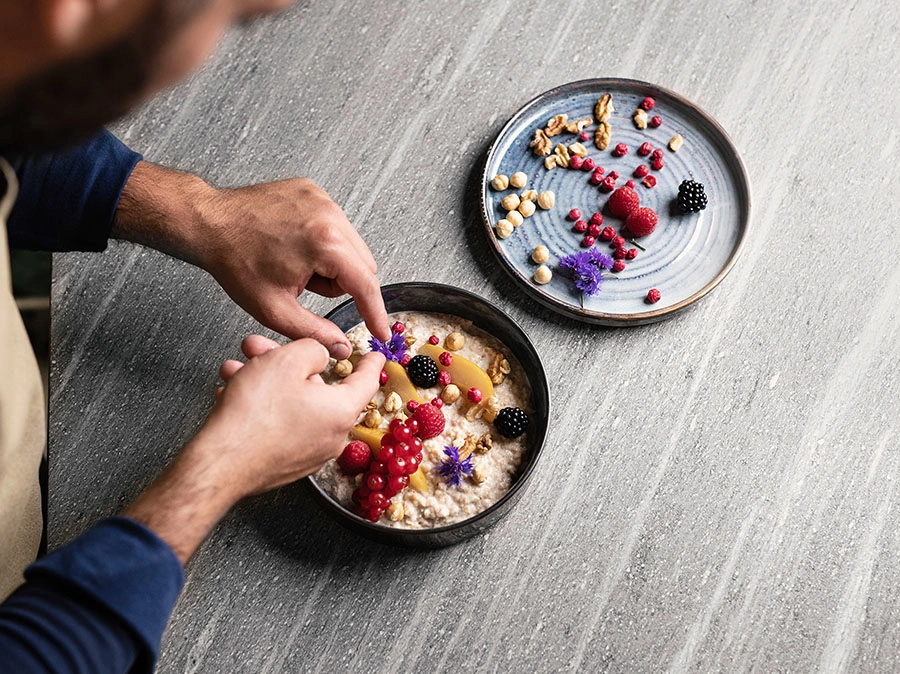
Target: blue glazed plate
685, 257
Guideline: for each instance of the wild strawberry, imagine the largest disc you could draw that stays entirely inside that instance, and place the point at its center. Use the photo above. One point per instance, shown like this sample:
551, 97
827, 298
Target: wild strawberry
431, 421
642, 221
355, 458
623, 201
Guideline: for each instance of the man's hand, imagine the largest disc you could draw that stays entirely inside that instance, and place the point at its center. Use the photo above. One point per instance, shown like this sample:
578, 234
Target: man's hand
274, 422
264, 244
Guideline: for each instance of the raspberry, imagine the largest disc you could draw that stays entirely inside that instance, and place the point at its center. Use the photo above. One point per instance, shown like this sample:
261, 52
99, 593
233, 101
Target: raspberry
608, 184
587, 241
580, 226
355, 458
596, 219
648, 103
575, 162
574, 214
691, 197
423, 371
511, 422
620, 150
588, 164
649, 181
607, 234
656, 121
641, 171
618, 265
431, 421
653, 296
642, 221
623, 201
645, 149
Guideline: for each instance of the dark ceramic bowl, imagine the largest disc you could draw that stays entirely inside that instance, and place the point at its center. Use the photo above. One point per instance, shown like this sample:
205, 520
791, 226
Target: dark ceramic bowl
436, 298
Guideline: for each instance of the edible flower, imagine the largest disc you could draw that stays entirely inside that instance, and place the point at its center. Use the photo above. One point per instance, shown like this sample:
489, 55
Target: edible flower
393, 349
453, 468
586, 268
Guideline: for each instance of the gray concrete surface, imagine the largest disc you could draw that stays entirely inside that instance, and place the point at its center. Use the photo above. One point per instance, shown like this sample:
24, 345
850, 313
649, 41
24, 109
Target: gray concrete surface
719, 494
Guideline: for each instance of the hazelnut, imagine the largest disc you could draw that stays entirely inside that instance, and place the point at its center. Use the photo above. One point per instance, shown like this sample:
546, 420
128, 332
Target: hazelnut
529, 195
504, 228
546, 200
515, 218
518, 179
454, 341
526, 208
540, 254
372, 419
450, 394
510, 202
542, 275
343, 368
500, 182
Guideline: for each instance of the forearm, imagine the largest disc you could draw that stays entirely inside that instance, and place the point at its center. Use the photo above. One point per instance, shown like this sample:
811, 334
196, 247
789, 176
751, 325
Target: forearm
186, 502
165, 210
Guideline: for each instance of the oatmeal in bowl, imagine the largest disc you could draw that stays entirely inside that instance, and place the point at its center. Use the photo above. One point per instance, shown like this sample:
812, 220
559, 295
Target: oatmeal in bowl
449, 441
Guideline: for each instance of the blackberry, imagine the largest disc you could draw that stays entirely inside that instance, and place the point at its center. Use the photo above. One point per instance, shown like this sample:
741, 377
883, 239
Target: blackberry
691, 197
511, 422
423, 371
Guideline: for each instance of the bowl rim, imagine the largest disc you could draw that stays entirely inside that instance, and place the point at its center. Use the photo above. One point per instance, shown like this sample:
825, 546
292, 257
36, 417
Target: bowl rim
523, 474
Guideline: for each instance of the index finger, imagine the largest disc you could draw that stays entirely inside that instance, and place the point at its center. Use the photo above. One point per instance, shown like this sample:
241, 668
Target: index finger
366, 293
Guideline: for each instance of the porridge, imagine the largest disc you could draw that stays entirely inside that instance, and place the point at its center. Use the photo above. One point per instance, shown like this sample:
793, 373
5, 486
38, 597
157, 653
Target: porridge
443, 437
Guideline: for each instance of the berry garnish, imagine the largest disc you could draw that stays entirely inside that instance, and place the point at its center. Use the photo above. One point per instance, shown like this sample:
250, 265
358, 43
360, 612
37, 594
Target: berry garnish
404, 361
649, 181
607, 233
445, 359
657, 164
398, 328
595, 230
641, 171
586, 242
575, 162
423, 371
653, 296
355, 457
574, 214
437, 402
631, 253
630, 183
382, 378
641, 221
655, 121
645, 149
596, 219
617, 242
620, 150
620, 253
412, 405
588, 164
691, 197
431, 421
623, 201
444, 378
511, 422
608, 184
475, 395
434, 340
648, 103
580, 226
585, 135
618, 265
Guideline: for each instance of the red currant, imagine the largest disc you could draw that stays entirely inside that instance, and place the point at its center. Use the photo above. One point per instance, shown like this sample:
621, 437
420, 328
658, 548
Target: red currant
379, 467
378, 500
397, 483
395, 424
374, 514
437, 402
403, 449
382, 378
387, 453
402, 433
412, 405
375, 482
415, 445
413, 426
397, 465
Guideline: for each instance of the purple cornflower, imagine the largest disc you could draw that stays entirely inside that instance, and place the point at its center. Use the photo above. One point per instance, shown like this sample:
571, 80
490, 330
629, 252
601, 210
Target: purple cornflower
586, 268
454, 468
394, 349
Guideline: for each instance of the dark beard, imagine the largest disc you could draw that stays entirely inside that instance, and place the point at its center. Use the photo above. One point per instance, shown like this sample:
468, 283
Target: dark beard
74, 100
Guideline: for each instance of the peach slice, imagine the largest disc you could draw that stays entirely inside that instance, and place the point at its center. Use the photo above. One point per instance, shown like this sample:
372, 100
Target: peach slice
370, 436
398, 382
419, 482
463, 372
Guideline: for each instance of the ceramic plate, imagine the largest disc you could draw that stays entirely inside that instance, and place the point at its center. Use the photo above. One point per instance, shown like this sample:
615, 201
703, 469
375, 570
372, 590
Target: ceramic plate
685, 257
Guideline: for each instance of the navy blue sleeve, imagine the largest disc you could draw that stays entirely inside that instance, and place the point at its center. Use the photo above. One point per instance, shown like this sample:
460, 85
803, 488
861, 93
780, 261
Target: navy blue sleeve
97, 605
67, 199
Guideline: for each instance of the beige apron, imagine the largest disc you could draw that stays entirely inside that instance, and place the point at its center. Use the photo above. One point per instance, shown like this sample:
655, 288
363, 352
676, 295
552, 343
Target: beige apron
23, 425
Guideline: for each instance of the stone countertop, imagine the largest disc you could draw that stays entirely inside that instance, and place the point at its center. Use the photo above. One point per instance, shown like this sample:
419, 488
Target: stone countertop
719, 490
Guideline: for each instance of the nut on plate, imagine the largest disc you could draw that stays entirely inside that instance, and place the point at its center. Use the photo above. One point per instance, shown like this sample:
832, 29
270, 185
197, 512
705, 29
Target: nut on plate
454, 341
515, 218
640, 118
578, 149
450, 394
504, 228
510, 202
550, 162
602, 135
526, 208
540, 254
542, 275
578, 125
518, 179
562, 155
546, 200
499, 182
604, 108
540, 144
556, 125
529, 195
676, 142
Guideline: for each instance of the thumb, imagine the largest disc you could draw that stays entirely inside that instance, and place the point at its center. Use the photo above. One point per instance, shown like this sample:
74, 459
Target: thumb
363, 382
287, 316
